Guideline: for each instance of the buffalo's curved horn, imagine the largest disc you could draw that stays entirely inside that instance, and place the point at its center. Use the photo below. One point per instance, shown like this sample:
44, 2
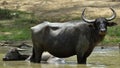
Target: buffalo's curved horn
113, 15
19, 49
85, 19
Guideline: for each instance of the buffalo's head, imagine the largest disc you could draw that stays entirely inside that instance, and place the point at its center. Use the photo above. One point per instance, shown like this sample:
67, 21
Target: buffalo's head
100, 24
13, 54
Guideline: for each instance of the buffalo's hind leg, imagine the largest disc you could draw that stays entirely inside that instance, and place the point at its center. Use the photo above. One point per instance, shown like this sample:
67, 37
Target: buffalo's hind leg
36, 55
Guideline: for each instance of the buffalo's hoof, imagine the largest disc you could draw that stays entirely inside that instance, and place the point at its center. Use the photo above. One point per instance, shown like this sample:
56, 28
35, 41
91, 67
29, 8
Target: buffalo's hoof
34, 61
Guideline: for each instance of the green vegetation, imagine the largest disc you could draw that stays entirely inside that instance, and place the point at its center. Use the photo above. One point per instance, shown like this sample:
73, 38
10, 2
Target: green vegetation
14, 33
18, 28
5, 14
113, 35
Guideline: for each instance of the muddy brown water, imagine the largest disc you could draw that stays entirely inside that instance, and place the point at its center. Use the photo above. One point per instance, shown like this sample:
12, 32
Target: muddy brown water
109, 57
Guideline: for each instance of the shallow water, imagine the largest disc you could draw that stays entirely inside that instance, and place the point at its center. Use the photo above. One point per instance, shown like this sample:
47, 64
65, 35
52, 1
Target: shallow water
109, 57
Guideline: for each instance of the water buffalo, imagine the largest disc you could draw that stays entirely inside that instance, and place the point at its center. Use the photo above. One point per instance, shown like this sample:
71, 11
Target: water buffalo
69, 38
14, 55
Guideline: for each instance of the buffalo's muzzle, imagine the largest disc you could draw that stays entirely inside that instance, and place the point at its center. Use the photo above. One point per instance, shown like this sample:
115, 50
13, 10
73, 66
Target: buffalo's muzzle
102, 32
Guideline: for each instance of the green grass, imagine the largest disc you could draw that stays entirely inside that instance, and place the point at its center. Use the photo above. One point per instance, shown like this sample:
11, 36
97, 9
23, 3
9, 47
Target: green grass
20, 32
16, 29
113, 35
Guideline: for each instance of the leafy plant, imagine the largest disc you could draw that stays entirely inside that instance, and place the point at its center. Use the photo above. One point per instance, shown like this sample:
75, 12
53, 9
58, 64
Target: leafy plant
5, 14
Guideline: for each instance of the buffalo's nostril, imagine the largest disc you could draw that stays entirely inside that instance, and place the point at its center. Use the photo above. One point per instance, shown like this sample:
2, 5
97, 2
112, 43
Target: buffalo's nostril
4, 59
102, 32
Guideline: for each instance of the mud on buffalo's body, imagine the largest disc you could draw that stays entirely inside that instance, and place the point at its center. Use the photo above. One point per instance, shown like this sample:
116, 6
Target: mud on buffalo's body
69, 38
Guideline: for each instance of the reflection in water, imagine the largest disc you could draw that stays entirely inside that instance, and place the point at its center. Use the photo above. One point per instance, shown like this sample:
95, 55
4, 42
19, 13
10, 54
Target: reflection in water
23, 64
101, 58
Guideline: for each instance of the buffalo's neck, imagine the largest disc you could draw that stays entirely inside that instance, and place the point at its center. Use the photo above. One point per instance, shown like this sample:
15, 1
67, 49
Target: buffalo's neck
96, 37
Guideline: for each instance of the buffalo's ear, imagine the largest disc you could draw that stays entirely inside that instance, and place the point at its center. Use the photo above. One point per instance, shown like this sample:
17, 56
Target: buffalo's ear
111, 24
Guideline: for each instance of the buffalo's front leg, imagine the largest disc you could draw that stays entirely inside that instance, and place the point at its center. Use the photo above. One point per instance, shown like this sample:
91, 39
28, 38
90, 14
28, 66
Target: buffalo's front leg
83, 61
87, 53
36, 55
80, 58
